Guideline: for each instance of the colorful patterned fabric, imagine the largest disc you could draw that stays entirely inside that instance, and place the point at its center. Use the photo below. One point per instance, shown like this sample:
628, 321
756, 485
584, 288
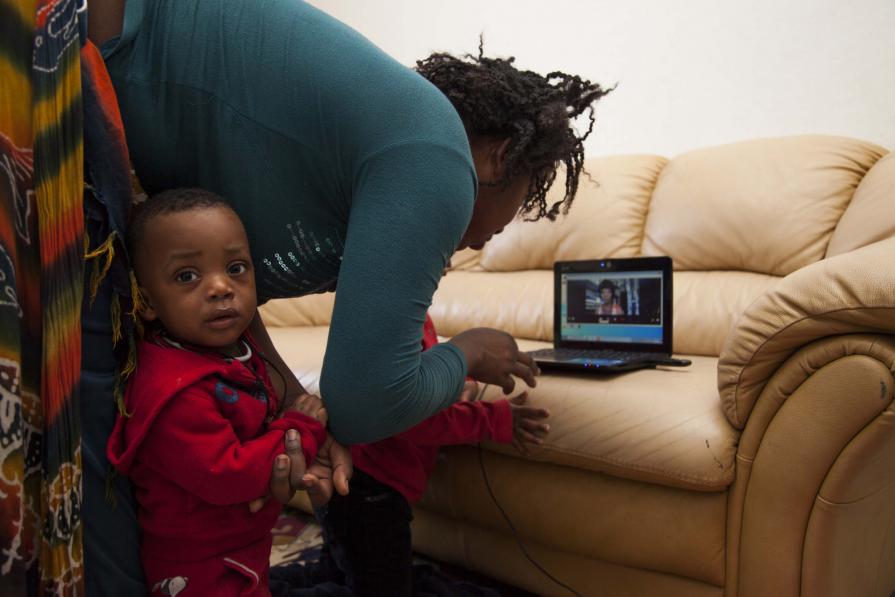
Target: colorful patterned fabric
53, 86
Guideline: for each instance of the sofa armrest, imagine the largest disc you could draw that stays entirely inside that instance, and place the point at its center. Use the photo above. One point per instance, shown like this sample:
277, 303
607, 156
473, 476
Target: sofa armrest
810, 511
846, 294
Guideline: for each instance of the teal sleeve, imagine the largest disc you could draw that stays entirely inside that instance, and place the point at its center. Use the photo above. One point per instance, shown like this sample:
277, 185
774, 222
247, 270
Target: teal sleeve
411, 205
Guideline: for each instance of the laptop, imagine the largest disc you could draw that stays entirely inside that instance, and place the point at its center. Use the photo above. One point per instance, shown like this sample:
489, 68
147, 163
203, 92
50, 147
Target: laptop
611, 315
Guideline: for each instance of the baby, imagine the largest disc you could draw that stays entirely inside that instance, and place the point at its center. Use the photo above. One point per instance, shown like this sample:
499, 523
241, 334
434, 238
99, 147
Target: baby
203, 428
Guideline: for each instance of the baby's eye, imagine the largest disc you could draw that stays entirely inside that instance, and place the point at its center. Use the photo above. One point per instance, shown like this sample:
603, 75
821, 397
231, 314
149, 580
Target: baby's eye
186, 276
238, 268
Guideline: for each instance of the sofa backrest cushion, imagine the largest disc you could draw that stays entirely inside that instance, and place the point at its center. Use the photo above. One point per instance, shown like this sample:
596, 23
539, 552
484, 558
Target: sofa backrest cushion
605, 220
870, 216
767, 206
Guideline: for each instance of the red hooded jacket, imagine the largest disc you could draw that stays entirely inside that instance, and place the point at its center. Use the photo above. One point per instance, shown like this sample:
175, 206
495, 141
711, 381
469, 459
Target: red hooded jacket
198, 448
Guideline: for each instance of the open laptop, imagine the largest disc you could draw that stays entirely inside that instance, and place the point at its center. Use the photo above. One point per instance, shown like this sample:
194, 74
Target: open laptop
611, 315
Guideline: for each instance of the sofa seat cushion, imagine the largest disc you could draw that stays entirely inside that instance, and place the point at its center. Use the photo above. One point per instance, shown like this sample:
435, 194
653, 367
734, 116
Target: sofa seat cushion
598, 518
661, 425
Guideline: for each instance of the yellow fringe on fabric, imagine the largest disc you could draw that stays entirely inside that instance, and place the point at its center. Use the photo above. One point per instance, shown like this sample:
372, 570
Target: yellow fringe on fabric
131, 364
107, 249
115, 314
136, 298
137, 306
119, 398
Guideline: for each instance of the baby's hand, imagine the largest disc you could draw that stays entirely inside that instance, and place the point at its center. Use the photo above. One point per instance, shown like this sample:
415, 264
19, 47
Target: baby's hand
308, 404
528, 425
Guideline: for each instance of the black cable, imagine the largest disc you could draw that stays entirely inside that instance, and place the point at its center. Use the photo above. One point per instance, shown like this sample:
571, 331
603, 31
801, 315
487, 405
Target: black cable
515, 533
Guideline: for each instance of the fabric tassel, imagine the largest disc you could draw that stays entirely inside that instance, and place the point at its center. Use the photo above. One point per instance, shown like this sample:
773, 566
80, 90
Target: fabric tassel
119, 398
115, 314
136, 297
107, 249
131, 364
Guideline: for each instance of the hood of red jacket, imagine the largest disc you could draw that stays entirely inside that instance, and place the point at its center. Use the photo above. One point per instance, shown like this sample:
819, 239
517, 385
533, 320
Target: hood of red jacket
162, 372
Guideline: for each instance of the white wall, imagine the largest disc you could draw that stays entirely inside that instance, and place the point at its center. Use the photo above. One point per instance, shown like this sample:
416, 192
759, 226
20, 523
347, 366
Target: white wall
691, 73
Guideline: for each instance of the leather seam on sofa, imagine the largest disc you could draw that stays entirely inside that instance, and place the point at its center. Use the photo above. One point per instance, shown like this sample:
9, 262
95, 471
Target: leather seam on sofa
857, 500
795, 386
711, 483
758, 349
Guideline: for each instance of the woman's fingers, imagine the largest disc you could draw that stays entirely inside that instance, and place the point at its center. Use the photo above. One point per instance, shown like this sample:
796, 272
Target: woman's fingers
288, 470
508, 384
525, 368
525, 373
531, 368
297, 464
343, 468
317, 489
280, 488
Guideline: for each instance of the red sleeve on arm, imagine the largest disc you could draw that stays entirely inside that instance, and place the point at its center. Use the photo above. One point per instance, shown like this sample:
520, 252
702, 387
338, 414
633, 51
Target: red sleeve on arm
195, 446
465, 423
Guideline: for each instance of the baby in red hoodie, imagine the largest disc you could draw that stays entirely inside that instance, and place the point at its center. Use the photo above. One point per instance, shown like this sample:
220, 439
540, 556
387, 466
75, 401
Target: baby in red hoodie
203, 428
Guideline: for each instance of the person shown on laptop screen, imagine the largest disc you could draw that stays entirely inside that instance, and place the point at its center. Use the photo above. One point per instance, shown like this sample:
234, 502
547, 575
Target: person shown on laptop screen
612, 307
608, 300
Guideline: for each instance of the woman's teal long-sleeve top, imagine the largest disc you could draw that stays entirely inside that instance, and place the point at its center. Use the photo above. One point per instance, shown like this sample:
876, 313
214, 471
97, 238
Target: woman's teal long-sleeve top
346, 168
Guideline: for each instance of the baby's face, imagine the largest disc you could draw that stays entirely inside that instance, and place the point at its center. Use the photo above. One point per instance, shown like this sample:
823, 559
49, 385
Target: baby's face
196, 276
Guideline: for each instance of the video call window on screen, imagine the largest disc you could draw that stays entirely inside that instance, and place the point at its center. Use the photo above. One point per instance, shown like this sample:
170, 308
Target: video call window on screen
632, 298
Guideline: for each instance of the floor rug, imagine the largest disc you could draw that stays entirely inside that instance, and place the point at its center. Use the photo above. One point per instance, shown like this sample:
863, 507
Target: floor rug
297, 538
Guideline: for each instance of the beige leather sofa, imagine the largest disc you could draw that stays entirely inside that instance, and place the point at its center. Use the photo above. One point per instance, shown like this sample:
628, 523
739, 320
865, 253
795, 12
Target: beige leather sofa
767, 468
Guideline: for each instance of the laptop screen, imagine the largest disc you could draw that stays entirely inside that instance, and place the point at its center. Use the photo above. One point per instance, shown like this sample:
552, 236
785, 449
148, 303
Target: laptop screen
614, 303
621, 307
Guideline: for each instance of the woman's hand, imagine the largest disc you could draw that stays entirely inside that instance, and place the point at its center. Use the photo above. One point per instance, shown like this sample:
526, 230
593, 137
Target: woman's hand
493, 357
332, 470
289, 470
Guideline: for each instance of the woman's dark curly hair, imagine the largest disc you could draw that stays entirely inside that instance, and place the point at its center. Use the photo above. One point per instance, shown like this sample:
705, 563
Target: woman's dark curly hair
495, 99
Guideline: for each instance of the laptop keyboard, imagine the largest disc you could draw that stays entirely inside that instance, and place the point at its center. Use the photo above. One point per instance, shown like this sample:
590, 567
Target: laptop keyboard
579, 353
